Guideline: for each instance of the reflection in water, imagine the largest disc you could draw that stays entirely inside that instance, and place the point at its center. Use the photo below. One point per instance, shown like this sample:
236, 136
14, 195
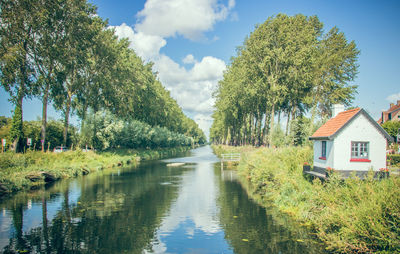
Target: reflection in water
194, 208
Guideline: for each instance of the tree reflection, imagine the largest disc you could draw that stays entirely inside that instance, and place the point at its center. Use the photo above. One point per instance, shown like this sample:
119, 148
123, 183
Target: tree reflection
18, 242
250, 228
111, 216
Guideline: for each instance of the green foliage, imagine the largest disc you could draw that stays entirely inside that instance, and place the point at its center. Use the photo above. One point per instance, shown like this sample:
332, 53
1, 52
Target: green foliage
278, 136
301, 130
349, 216
394, 159
104, 130
16, 131
32, 129
392, 128
63, 53
54, 134
3, 121
286, 66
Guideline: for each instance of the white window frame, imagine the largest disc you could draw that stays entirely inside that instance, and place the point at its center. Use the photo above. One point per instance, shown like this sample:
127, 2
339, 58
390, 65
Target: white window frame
359, 150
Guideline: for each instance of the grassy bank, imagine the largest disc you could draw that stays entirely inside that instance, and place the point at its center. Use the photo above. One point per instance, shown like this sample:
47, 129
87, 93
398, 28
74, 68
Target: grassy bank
348, 216
33, 169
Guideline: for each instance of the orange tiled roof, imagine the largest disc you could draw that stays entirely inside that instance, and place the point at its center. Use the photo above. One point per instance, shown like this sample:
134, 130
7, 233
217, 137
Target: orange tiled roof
335, 124
385, 114
392, 108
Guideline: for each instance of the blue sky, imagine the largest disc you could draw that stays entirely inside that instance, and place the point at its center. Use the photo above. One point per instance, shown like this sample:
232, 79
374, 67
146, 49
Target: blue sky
192, 41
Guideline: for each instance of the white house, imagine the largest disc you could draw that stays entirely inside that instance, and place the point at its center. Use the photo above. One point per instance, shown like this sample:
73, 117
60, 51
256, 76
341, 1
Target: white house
350, 141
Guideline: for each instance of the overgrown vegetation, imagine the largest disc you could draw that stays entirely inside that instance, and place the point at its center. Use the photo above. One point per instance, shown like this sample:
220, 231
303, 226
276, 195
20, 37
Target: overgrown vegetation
394, 159
392, 128
348, 216
104, 130
32, 130
33, 169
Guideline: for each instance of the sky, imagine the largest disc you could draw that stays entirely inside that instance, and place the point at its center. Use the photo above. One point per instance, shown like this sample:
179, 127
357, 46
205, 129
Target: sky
191, 43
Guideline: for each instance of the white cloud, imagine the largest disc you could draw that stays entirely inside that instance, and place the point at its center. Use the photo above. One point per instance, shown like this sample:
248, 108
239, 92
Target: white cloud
189, 59
189, 18
160, 19
393, 98
191, 88
204, 121
231, 4
210, 68
146, 46
193, 211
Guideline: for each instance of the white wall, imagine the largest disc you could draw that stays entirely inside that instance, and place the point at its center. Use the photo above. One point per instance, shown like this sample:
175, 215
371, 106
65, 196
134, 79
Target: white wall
329, 154
361, 130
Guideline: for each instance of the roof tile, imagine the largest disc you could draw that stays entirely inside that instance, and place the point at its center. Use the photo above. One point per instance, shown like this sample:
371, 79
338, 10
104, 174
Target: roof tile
335, 124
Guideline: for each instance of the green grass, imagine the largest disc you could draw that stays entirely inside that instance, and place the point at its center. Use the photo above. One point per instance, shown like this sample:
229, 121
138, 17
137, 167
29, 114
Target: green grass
348, 216
16, 170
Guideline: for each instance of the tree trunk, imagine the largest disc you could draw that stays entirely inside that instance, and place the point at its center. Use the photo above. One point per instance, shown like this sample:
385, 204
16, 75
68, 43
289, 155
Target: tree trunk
17, 126
18, 222
244, 142
267, 131
45, 225
271, 125
287, 123
294, 113
279, 117
66, 118
313, 114
44, 112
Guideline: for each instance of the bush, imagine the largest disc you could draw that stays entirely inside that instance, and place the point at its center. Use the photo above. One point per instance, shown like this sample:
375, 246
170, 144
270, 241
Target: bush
394, 159
103, 130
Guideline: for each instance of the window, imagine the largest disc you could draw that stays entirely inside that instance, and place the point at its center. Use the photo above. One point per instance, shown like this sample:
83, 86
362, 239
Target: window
360, 151
323, 151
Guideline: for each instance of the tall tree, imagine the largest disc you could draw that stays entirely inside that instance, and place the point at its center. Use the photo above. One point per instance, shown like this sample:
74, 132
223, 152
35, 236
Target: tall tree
335, 67
47, 52
285, 65
17, 36
80, 30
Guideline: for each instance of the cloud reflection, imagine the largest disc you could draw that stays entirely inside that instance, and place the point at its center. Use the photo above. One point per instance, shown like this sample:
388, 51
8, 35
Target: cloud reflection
194, 212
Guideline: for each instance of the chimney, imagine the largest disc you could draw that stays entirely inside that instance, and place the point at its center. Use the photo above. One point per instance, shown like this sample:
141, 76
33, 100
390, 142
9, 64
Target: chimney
391, 105
398, 102
336, 109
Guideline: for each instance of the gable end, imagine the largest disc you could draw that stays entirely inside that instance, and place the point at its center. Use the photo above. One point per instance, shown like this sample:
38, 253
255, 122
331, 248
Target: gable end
370, 119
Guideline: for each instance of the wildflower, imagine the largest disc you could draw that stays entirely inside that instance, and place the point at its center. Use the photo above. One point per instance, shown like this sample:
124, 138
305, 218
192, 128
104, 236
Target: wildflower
384, 169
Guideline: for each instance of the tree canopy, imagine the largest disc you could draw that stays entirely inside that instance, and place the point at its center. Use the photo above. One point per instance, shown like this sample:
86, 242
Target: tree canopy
286, 66
63, 53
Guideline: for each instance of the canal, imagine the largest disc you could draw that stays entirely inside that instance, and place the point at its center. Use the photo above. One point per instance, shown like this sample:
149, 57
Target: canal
152, 208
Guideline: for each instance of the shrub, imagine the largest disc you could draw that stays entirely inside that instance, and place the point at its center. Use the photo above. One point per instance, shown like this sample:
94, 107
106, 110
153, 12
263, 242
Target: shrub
103, 130
394, 159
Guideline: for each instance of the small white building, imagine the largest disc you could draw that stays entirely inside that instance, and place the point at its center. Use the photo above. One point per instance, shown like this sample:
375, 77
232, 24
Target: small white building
350, 141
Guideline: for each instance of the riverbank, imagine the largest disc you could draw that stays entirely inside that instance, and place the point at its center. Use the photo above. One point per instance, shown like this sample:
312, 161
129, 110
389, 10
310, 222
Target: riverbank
34, 169
348, 216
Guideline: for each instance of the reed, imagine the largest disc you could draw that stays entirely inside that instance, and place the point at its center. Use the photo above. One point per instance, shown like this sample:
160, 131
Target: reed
34, 168
349, 216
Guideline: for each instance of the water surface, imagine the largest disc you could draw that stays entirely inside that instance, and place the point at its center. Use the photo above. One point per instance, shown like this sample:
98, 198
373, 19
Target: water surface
153, 208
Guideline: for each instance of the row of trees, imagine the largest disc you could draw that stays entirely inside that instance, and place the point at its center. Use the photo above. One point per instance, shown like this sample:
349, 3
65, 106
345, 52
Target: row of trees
104, 130
63, 53
286, 67
32, 130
